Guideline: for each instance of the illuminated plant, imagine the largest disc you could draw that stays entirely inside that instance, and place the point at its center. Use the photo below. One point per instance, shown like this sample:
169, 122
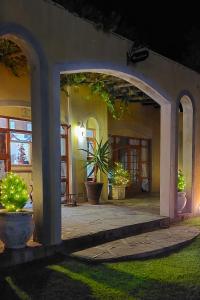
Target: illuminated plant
181, 181
13, 192
120, 176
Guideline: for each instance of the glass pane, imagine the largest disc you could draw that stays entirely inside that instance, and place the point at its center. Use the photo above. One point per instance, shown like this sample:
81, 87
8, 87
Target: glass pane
144, 155
29, 126
63, 188
63, 169
145, 185
20, 153
2, 144
63, 146
144, 170
90, 133
134, 142
111, 139
89, 170
90, 146
144, 142
3, 123
117, 140
20, 125
62, 130
21, 137
2, 169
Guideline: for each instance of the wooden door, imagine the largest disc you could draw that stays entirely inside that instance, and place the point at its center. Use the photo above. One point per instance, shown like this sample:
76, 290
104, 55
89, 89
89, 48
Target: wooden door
134, 154
64, 162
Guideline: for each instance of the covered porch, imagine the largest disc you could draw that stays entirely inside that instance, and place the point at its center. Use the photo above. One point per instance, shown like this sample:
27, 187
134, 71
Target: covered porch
86, 219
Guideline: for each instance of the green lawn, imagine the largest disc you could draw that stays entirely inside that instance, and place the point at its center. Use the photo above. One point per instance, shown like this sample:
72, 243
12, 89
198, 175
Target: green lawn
176, 276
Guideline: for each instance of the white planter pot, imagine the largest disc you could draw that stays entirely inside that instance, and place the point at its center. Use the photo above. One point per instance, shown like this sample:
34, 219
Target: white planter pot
16, 228
182, 200
118, 192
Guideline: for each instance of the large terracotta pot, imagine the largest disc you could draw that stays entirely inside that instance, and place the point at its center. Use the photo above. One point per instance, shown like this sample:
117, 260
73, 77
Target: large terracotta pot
118, 192
182, 200
16, 228
93, 191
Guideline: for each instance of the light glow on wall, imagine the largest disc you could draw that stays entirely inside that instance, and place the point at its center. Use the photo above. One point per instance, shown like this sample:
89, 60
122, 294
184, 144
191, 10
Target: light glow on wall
80, 130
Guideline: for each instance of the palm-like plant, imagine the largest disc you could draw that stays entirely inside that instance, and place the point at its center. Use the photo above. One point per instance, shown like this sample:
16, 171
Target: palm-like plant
98, 158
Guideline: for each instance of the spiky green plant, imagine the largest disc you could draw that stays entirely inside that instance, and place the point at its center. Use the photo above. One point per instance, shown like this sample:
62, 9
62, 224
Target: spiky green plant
99, 158
13, 192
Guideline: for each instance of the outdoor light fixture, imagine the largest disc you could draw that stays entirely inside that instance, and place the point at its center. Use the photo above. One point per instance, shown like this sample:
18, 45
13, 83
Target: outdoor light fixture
80, 129
136, 54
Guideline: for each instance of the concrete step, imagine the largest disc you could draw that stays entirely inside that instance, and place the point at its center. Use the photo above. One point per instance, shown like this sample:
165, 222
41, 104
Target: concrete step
145, 245
112, 234
35, 251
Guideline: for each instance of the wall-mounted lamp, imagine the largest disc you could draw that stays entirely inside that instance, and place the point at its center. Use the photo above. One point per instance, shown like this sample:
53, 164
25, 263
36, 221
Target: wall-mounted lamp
80, 129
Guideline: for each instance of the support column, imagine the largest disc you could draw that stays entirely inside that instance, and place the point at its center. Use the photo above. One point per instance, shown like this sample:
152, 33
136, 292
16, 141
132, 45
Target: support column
45, 91
187, 148
168, 160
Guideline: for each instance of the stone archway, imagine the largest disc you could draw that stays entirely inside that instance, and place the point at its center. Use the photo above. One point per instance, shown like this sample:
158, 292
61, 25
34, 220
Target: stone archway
45, 137
168, 124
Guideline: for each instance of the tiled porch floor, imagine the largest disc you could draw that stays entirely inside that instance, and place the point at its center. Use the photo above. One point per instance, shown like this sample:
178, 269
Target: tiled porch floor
88, 219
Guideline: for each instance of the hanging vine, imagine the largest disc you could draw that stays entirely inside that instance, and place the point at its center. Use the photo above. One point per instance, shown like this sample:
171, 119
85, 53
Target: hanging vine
97, 85
12, 57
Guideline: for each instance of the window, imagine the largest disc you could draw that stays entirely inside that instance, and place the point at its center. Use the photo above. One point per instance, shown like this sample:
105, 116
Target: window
91, 144
20, 148
15, 143
20, 125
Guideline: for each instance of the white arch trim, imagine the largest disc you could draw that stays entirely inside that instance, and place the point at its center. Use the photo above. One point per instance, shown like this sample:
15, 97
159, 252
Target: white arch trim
168, 157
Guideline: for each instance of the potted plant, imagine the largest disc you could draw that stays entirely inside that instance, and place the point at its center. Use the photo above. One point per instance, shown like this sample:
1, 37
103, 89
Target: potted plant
98, 160
16, 223
120, 178
181, 192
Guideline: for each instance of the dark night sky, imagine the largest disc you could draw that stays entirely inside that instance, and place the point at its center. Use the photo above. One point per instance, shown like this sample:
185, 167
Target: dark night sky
163, 26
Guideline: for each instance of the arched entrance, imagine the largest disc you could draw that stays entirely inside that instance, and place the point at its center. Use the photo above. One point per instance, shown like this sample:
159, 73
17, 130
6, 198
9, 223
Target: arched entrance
168, 160
45, 137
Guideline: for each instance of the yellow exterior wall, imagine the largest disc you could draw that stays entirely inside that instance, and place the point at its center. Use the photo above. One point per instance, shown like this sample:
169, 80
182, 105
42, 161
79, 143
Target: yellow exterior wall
17, 112
141, 122
81, 106
13, 87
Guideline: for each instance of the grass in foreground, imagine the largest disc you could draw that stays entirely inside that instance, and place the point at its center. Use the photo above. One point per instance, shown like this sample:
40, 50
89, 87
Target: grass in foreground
176, 276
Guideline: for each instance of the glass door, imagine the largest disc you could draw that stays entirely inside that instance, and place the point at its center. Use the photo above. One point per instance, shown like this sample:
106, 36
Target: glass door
134, 154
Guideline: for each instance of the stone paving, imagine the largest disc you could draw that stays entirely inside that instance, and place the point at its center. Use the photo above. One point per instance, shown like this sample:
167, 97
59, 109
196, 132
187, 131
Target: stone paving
141, 246
87, 219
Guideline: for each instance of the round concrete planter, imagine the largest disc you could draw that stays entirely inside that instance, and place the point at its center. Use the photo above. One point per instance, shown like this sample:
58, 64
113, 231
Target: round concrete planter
118, 192
16, 228
182, 200
93, 191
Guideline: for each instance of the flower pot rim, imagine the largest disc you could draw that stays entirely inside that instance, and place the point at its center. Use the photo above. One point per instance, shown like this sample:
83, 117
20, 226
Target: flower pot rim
182, 192
92, 182
4, 212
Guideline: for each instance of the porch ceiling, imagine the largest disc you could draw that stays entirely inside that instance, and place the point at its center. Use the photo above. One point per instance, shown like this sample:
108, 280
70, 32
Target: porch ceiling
118, 88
